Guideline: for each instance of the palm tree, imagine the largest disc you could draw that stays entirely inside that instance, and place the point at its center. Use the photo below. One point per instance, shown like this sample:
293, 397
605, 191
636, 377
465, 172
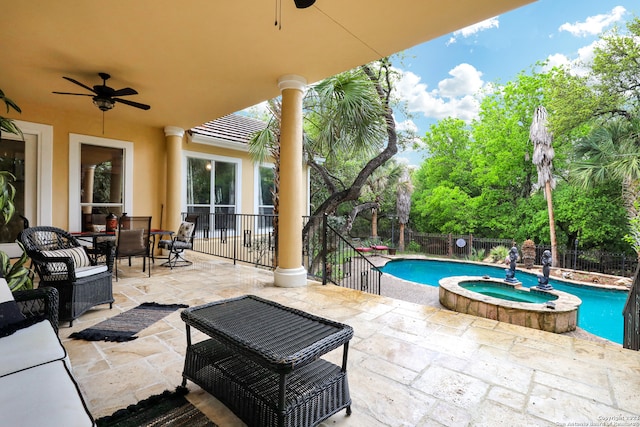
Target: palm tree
543, 159
612, 152
373, 191
403, 204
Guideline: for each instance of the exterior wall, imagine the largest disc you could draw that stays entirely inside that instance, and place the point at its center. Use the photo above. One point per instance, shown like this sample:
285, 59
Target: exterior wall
149, 173
149, 154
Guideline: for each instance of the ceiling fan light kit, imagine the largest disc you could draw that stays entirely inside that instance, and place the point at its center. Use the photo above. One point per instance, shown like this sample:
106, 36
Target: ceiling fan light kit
103, 103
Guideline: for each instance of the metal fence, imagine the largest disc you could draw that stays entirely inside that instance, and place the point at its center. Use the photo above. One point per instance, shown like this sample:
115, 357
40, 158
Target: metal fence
333, 258
631, 314
238, 237
468, 246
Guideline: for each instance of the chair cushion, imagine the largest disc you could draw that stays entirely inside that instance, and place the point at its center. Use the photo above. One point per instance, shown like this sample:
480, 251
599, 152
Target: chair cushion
9, 311
185, 231
77, 254
90, 271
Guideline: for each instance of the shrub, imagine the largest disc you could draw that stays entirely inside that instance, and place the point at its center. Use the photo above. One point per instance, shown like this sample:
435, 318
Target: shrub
499, 253
414, 246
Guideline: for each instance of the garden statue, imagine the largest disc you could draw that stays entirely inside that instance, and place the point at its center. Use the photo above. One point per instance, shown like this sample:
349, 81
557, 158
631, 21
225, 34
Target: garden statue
511, 271
543, 279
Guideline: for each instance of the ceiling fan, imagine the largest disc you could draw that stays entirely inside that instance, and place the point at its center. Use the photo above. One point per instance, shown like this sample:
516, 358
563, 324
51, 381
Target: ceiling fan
105, 97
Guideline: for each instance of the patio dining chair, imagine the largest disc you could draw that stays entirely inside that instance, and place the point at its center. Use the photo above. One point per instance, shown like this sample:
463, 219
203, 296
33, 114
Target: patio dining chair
133, 240
181, 241
63, 263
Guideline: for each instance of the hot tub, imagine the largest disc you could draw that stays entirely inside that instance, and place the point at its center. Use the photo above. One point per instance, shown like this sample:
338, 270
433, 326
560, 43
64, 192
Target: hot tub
551, 311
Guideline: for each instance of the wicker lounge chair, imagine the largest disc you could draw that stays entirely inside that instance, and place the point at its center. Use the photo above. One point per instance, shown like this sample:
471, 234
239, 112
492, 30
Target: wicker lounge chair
63, 263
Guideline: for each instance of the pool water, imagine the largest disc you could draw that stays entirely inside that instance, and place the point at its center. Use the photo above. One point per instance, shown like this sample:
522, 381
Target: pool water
507, 292
599, 314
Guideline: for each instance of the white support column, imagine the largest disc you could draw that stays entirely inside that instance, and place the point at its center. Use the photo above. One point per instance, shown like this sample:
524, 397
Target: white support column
290, 272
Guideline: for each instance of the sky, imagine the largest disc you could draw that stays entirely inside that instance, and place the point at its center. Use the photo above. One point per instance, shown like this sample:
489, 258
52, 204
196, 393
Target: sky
443, 77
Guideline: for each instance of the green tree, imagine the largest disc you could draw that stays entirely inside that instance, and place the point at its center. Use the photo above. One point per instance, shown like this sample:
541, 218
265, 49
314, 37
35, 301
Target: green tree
612, 153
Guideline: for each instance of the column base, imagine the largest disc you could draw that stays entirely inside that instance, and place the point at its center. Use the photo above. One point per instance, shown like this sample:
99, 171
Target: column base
290, 277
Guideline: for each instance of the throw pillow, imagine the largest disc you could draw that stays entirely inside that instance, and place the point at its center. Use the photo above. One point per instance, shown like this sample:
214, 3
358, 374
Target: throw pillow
185, 231
77, 254
9, 311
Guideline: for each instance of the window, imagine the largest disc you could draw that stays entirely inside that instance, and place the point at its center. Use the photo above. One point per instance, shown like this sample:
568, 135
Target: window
100, 180
13, 160
266, 188
212, 189
101, 184
31, 162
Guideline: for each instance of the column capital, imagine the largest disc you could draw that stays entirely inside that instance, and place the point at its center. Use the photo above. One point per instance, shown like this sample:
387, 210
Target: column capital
173, 131
292, 81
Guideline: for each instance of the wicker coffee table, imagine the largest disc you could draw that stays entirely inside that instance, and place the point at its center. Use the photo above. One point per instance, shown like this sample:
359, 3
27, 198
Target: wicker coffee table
262, 360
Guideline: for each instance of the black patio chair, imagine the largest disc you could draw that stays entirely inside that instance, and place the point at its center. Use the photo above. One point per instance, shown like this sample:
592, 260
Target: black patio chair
133, 240
63, 263
180, 242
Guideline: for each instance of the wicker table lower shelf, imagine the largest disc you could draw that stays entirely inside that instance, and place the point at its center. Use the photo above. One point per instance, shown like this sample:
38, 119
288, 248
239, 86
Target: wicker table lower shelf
313, 392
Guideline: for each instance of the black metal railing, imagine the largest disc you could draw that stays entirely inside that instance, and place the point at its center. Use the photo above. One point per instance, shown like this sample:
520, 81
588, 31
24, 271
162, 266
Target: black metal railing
250, 239
631, 314
238, 237
333, 258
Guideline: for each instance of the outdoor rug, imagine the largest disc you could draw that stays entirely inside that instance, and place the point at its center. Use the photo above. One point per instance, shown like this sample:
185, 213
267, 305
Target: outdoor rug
124, 326
170, 408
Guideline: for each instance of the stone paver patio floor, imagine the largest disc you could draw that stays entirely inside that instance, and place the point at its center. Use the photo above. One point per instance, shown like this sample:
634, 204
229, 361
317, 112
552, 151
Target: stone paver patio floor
409, 364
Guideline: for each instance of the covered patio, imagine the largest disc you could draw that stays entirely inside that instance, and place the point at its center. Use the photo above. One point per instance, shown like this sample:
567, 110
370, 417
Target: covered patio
191, 63
409, 364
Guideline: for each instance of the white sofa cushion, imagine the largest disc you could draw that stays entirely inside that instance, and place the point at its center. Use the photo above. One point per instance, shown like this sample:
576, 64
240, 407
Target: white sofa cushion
31, 346
46, 395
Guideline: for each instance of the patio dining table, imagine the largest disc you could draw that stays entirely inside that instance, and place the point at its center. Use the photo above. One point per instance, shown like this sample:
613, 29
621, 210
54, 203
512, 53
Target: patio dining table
96, 238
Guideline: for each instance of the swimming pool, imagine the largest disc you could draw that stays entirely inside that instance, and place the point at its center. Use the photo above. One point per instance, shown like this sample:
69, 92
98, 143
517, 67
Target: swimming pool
599, 314
508, 293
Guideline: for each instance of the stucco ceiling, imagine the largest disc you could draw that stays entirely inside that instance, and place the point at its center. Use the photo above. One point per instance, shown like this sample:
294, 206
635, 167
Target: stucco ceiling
197, 60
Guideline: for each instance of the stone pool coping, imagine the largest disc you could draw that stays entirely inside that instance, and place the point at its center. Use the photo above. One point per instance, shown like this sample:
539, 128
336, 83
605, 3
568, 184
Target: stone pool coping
562, 318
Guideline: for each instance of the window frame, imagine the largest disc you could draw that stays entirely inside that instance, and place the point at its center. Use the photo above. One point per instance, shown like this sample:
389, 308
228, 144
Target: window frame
75, 173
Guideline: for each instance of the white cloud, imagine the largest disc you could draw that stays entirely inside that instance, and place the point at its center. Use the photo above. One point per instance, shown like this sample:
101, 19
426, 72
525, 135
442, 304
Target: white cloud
594, 25
466, 80
457, 96
579, 65
471, 30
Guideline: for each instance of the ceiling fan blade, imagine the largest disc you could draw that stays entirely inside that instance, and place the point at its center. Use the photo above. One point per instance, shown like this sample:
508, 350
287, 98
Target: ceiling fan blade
132, 103
79, 84
69, 93
124, 92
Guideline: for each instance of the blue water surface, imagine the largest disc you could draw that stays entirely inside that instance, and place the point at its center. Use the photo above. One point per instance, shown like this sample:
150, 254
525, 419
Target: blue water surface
599, 314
